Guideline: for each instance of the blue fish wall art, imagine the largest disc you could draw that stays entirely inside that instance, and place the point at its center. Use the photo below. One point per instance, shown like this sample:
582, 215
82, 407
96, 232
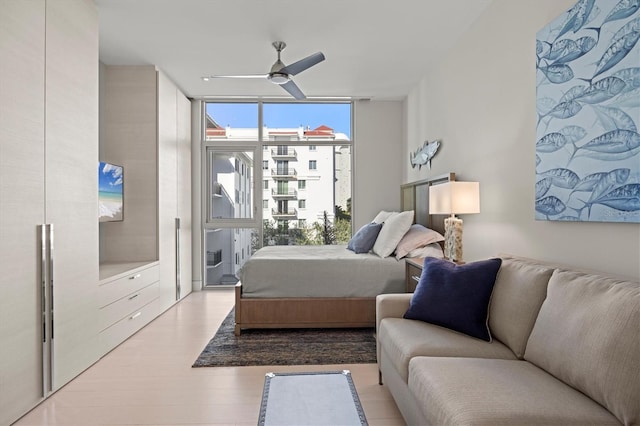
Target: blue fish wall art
588, 114
424, 154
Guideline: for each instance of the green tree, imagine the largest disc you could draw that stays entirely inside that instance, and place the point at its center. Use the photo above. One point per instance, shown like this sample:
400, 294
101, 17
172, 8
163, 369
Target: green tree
323, 232
343, 231
341, 214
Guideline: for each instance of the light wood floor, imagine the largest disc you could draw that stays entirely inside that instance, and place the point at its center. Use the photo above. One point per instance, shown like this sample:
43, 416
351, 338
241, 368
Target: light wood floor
148, 380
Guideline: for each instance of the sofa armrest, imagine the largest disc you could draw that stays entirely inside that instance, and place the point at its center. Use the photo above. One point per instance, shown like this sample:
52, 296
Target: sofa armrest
391, 306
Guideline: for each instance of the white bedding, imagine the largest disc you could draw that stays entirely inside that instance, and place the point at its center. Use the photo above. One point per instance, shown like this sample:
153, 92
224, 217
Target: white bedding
319, 271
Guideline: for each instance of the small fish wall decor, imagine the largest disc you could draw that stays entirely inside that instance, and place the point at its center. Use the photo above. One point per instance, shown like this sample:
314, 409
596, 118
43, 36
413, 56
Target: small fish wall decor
424, 154
588, 106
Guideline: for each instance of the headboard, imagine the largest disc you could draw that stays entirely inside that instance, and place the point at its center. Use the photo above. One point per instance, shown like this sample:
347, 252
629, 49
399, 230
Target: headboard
415, 196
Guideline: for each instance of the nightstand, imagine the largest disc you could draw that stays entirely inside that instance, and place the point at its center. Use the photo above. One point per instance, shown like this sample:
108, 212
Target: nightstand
412, 273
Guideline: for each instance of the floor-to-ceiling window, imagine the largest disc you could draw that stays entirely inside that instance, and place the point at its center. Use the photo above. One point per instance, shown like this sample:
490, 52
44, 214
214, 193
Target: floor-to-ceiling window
276, 174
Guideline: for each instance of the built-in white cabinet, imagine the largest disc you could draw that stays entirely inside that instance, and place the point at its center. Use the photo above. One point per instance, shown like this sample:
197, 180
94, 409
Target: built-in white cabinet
48, 198
146, 128
128, 294
184, 195
72, 289
174, 191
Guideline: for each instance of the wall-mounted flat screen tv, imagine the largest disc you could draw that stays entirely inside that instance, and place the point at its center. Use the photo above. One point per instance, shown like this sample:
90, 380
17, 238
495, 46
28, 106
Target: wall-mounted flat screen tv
110, 192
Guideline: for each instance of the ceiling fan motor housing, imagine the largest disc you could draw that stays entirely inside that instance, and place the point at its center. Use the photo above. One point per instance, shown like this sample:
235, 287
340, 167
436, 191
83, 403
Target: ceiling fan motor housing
275, 75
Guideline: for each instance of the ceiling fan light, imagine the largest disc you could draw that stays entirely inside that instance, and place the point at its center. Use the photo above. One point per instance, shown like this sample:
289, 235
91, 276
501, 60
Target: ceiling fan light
279, 78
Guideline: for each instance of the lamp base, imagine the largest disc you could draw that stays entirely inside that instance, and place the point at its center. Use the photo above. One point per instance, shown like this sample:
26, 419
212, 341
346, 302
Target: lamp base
453, 239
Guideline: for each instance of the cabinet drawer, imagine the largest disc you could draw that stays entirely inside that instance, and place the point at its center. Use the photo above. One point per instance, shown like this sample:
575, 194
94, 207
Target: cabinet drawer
123, 329
115, 311
110, 291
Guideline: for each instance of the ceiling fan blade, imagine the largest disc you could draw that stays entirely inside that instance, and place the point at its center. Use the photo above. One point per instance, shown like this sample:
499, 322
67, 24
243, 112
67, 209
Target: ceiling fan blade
293, 90
238, 76
303, 64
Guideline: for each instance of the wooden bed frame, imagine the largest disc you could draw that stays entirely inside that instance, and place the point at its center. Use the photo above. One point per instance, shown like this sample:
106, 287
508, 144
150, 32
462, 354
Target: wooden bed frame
333, 312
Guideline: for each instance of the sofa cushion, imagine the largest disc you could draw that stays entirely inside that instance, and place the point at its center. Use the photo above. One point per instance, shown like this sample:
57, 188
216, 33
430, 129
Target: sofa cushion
457, 391
455, 296
587, 334
518, 293
404, 339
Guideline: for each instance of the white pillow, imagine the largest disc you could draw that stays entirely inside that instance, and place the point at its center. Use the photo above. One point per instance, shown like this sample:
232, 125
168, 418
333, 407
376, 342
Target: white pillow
392, 232
383, 216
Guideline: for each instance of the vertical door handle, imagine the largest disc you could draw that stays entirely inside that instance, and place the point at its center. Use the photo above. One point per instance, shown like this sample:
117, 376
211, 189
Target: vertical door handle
51, 308
44, 279
178, 259
46, 302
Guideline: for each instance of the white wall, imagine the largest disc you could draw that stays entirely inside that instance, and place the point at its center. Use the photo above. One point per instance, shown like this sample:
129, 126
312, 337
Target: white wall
377, 171
480, 100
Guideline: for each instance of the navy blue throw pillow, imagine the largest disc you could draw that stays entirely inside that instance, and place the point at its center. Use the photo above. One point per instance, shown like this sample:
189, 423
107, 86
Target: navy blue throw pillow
365, 238
455, 296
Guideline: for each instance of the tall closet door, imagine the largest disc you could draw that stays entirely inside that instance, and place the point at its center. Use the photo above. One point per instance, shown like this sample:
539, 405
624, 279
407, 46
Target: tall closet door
71, 129
184, 191
22, 26
167, 189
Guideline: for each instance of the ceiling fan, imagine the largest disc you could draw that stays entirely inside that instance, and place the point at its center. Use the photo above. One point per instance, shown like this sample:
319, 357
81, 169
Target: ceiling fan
280, 73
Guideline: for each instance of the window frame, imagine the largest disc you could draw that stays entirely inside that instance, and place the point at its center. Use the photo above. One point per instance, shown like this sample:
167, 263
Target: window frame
211, 147
258, 147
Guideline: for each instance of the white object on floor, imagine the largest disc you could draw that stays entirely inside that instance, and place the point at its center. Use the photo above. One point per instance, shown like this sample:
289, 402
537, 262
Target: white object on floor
318, 398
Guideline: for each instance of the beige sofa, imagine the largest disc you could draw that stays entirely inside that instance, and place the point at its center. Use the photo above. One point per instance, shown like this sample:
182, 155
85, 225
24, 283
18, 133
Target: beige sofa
565, 350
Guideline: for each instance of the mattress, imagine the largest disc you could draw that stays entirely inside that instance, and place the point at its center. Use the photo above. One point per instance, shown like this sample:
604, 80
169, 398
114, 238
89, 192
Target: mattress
319, 271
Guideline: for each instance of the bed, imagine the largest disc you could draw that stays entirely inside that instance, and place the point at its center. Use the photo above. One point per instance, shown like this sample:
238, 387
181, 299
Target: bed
325, 286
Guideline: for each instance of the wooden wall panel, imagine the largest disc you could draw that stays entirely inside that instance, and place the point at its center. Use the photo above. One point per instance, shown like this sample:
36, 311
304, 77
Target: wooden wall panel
129, 131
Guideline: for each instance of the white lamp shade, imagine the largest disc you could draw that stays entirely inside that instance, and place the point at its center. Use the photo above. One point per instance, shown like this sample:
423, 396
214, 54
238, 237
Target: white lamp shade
454, 198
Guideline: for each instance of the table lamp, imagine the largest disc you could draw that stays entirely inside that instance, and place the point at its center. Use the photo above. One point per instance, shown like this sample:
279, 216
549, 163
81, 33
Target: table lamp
454, 198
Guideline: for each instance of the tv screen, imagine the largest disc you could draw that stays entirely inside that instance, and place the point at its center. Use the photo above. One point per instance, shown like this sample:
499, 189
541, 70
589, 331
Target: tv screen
110, 193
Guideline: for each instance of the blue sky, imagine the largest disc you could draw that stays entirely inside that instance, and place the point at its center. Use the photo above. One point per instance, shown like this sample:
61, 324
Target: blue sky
336, 116
109, 178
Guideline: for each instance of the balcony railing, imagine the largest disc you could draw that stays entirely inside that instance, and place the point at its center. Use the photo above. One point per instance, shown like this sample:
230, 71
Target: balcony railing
290, 213
290, 194
287, 174
284, 154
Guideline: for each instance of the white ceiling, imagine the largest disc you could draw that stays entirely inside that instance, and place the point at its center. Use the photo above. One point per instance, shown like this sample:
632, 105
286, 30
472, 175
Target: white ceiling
374, 49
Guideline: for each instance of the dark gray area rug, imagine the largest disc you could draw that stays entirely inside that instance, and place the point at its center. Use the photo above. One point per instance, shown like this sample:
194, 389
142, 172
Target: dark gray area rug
287, 346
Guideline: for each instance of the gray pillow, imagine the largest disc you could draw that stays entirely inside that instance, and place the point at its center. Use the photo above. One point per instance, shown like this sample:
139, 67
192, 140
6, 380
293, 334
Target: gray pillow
365, 238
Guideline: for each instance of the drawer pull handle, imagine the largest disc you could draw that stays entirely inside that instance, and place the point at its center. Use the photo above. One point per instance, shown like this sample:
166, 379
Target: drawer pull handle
134, 296
133, 277
416, 278
136, 315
